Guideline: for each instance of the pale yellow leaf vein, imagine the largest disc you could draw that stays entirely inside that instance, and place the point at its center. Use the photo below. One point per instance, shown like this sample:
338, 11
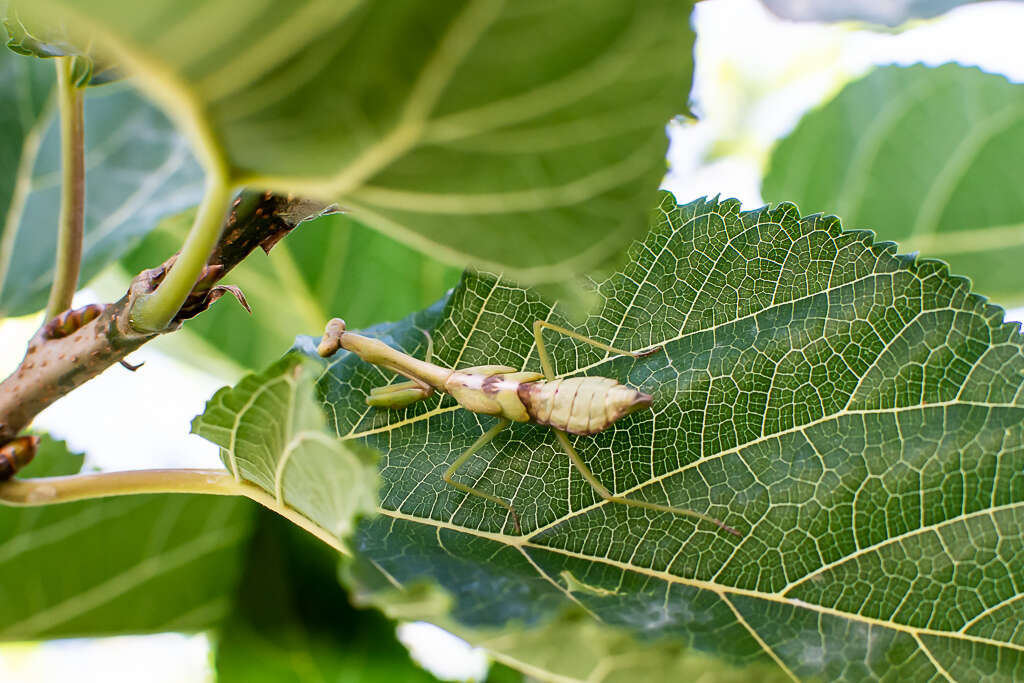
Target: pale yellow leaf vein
991, 610
912, 533
931, 658
757, 637
523, 541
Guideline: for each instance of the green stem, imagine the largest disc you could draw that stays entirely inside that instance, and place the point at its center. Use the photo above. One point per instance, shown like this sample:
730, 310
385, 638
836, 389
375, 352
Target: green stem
53, 490
153, 312
72, 201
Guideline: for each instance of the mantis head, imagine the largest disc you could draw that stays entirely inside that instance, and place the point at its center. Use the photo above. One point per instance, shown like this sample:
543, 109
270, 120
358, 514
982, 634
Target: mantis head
331, 341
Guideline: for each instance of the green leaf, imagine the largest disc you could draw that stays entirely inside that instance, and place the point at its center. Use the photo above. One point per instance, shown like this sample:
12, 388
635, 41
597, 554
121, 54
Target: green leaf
270, 428
572, 647
138, 168
293, 622
326, 267
885, 12
528, 136
922, 156
122, 565
854, 413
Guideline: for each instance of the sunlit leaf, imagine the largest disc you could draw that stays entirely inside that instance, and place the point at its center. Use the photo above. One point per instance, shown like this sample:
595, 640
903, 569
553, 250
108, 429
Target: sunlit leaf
527, 136
921, 156
271, 431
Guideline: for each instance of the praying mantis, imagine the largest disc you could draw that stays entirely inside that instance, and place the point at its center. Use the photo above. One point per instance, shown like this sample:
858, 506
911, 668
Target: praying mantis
572, 405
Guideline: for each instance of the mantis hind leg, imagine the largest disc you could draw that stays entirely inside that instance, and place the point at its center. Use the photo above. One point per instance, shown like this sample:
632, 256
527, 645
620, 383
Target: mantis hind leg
545, 359
484, 439
607, 495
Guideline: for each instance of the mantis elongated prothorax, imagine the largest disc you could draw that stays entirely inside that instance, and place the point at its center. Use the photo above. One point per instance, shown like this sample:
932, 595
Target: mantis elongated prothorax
574, 405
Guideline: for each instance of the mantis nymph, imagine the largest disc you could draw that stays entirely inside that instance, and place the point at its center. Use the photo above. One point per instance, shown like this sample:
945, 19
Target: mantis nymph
573, 405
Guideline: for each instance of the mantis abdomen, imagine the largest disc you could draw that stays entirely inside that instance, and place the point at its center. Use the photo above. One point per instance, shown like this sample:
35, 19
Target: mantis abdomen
580, 405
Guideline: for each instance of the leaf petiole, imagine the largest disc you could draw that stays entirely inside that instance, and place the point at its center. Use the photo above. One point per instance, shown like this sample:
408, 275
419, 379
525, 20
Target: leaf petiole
72, 200
153, 312
68, 489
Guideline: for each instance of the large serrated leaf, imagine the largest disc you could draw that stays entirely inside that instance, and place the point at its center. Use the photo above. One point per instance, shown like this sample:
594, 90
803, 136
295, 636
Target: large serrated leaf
922, 156
450, 126
136, 564
856, 414
271, 432
138, 168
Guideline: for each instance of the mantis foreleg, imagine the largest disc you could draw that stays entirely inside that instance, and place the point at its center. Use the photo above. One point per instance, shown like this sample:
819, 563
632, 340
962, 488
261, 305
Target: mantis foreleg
402, 394
545, 359
484, 439
398, 395
607, 495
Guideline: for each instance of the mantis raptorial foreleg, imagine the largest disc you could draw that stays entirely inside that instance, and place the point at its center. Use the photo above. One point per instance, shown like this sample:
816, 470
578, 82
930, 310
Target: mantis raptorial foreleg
403, 394
398, 395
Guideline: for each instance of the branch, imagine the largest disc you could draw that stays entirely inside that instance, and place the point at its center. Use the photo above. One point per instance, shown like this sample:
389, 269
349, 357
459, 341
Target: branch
77, 345
72, 192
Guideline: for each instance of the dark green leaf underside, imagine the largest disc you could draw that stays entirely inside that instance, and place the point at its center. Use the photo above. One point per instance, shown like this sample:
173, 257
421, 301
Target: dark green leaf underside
292, 621
449, 126
856, 414
924, 157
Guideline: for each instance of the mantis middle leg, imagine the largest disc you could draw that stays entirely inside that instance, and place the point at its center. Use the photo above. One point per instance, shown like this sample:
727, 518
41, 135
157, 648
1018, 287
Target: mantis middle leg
484, 439
563, 439
577, 461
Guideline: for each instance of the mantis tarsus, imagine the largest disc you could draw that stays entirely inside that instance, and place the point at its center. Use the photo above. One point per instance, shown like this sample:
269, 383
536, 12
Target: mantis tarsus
574, 405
